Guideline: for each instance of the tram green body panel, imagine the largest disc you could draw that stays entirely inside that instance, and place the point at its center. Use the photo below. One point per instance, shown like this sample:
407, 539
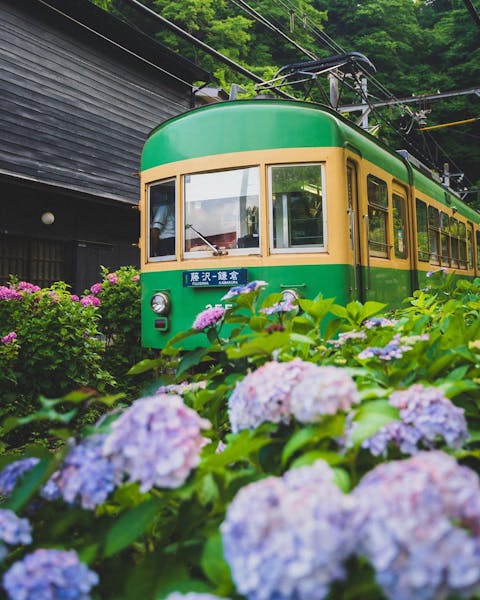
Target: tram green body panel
332, 281
261, 125
387, 285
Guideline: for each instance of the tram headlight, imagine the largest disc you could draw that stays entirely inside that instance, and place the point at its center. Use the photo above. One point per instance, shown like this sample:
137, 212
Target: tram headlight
161, 303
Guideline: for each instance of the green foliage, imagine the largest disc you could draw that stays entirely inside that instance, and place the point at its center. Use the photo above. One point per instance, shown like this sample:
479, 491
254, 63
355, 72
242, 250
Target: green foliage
119, 324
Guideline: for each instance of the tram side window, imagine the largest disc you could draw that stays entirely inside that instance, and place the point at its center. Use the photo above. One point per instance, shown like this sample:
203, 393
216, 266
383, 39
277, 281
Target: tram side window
422, 231
296, 207
399, 228
377, 193
434, 235
221, 210
161, 199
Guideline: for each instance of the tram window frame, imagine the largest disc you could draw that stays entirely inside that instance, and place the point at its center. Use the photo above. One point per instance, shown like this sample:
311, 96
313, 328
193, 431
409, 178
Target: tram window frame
286, 230
446, 252
477, 239
251, 241
422, 231
400, 244
454, 242
151, 208
434, 235
470, 246
462, 245
378, 212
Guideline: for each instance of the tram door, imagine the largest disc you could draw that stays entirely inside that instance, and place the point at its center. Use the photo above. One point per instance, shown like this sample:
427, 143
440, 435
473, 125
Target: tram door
356, 288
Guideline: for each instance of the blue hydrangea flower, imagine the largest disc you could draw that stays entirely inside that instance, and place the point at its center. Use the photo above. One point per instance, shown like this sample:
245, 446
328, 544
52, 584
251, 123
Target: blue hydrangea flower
264, 395
287, 537
323, 391
426, 415
156, 441
13, 472
13, 530
85, 475
253, 286
49, 575
418, 523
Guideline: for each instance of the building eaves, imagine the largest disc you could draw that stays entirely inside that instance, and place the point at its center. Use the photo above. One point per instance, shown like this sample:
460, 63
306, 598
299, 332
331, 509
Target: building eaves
85, 13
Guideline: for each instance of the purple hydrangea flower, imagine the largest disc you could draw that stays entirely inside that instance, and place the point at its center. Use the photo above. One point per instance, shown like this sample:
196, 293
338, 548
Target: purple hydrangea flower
264, 394
344, 337
279, 307
323, 391
208, 317
379, 322
418, 523
13, 530
442, 270
182, 388
85, 475
394, 349
193, 596
96, 288
74, 298
14, 471
293, 544
157, 442
49, 575
8, 339
426, 414
253, 286
90, 300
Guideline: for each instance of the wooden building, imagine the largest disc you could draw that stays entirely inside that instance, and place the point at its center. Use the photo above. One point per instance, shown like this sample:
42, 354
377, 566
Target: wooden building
79, 92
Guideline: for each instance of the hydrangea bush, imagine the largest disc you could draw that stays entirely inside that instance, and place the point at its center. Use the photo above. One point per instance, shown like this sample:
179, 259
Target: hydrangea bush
317, 451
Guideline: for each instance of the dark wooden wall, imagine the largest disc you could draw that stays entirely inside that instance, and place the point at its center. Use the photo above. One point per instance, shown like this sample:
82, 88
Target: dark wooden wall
79, 93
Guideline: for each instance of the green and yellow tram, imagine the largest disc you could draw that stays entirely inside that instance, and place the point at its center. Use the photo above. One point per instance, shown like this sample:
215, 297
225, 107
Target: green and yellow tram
293, 194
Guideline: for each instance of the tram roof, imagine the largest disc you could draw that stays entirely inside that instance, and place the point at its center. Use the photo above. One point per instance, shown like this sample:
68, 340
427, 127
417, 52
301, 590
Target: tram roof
246, 125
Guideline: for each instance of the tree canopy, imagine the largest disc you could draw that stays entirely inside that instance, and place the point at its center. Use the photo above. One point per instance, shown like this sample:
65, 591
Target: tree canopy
419, 47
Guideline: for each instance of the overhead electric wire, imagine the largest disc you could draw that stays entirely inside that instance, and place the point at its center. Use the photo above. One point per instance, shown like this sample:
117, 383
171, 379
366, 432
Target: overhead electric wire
328, 41
270, 25
199, 43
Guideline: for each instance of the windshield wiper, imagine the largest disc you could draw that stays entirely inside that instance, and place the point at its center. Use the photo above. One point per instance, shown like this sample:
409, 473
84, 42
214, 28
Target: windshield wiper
216, 250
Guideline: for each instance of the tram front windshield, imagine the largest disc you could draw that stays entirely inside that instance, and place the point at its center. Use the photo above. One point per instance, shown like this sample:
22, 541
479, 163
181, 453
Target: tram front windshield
221, 210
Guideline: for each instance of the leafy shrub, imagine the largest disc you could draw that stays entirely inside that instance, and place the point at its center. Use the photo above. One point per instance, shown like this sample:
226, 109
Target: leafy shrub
249, 473
118, 300
56, 346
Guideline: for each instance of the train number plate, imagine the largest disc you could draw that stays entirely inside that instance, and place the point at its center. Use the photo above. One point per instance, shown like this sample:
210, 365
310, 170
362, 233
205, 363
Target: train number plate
214, 277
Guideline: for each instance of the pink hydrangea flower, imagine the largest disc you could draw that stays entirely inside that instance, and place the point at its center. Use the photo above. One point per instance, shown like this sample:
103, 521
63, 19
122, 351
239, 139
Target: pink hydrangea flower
112, 278
96, 288
8, 339
208, 317
90, 301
